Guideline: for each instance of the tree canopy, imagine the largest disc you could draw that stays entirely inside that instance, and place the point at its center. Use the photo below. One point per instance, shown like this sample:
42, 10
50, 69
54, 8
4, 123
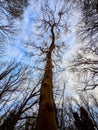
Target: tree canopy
48, 65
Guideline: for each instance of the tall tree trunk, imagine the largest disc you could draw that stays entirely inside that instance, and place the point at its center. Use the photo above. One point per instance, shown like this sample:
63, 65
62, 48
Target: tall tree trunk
46, 116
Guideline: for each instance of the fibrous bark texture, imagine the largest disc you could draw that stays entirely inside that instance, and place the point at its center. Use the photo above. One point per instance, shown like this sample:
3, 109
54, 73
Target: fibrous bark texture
46, 116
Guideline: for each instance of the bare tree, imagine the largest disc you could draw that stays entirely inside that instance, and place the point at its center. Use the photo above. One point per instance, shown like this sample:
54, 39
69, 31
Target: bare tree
17, 93
85, 61
9, 79
87, 112
85, 66
52, 23
78, 114
89, 9
16, 8
9, 12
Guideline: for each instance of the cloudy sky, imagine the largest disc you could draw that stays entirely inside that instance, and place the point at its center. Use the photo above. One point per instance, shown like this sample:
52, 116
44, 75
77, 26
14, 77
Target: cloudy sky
17, 51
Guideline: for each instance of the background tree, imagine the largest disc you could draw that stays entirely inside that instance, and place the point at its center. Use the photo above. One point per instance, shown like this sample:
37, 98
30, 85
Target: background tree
89, 10
17, 95
9, 12
85, 61
16, 8
78, 114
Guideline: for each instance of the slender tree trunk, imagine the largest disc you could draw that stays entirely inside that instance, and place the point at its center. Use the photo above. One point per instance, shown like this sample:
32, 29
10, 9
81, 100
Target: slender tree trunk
46, 116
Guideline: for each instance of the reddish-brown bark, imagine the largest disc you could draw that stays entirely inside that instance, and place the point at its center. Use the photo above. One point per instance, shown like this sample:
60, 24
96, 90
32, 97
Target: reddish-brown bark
46, 116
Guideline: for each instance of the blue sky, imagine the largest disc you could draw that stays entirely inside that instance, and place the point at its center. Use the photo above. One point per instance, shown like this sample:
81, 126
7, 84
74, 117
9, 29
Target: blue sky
16, 50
